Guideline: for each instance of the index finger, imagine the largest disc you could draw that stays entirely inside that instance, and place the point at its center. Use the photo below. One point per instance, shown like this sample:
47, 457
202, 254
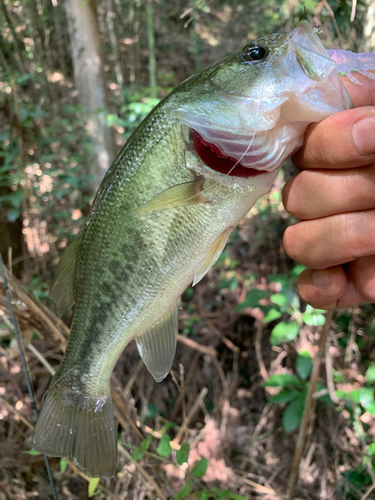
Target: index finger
345, 139
362, 95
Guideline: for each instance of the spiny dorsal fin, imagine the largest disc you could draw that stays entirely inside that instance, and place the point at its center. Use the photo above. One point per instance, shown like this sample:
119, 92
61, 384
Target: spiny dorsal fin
62, 286
157, 346
212, 255
180, 195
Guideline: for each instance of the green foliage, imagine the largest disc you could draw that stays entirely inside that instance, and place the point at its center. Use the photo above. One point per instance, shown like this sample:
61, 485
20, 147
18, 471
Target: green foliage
152, 411
185, 490
252, 299
199, 468
93, 483
285, 331
182, 454
293, 412
361, 400
357, 477
281, 305
283, 380
31, 452
294, 391
164, 448
304, 364
137, 106
370, 374
63, 465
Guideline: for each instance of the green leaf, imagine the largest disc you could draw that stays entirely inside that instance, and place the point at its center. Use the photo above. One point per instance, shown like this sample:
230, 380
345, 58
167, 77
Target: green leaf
252, 299
228, 495
283, 380
363, 396
285, 331
93, 483
164, 448
313, 319
63, 465
370, 374
325, 397
279, 278
280, 300
284, 396
297, 270
168, 425
146, 442
371, 409
371, 449
13, 214
182, 454
200, 467
31, 452
366, 397
271, 315
152, 411
293, 412
185, 490
304, 364
16, 198
202, 495
138, 454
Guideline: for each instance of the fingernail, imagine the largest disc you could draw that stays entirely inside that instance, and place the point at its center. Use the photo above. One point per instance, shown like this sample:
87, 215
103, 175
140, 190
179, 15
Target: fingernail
364, 134
321, 278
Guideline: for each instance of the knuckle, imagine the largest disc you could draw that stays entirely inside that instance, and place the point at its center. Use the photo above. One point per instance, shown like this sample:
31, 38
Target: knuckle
359, 233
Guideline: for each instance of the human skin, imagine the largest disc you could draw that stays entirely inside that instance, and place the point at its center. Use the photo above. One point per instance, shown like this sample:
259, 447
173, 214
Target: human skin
334, 198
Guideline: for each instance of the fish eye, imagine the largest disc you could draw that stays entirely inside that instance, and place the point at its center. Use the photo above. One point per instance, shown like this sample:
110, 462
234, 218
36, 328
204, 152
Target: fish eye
254, 52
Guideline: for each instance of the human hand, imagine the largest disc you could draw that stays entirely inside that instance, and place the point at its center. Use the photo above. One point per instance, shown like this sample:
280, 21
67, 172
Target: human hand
334, 197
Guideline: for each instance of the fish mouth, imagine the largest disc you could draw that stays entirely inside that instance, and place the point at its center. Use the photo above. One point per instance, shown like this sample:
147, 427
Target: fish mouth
211, 156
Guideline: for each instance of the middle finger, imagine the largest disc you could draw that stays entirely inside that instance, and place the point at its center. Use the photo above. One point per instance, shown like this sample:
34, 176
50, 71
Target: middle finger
314, 194
331, 241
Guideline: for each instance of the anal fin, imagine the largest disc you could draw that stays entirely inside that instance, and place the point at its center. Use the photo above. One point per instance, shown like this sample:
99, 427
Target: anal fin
157, 346
212, 255
180, 195
62, 286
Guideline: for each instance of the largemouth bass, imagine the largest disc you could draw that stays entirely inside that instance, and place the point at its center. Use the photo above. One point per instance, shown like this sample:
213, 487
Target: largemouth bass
162, 216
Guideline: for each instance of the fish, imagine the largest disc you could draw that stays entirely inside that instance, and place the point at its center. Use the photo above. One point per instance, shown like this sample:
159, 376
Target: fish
163, 214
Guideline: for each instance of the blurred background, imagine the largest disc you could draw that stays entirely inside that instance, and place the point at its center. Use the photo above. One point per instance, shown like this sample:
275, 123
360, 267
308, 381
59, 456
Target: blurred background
76, 79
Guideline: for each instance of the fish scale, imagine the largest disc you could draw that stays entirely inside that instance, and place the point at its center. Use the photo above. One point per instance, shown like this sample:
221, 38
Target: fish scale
161, 218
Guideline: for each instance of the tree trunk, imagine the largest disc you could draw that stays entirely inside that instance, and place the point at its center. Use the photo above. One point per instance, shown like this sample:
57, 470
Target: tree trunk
197, 58
135, 52
151, 48
114, 44
369, 29
89, 79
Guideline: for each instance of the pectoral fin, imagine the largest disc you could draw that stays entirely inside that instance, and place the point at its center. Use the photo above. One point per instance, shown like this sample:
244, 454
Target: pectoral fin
212, 255
180, 195
157, 346
62, 286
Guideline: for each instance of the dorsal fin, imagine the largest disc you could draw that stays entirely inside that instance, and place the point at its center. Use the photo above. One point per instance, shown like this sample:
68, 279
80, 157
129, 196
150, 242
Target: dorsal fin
212, 255
62, 286
180, 195
157, 346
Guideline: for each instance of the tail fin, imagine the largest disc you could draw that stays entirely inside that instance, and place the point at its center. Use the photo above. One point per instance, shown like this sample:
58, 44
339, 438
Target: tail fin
78, 427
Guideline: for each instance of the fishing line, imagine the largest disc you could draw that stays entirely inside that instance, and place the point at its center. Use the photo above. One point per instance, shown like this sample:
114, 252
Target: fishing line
253, 137
24, 366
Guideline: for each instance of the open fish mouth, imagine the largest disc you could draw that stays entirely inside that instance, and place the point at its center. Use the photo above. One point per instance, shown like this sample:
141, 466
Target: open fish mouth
236, 155
211, 155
